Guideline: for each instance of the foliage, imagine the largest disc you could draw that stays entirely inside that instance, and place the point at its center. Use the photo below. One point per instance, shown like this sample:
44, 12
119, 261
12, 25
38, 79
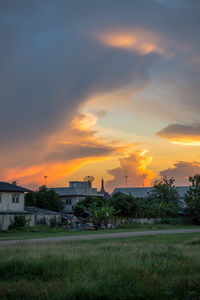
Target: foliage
161, 202
19, 222
99, 215
44, 198
129, 206
94, 208
192, 199
81, 209
164, 198
14, 182
30, 198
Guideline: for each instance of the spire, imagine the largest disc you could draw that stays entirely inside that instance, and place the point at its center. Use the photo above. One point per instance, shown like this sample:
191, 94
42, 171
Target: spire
102, 184
102, 191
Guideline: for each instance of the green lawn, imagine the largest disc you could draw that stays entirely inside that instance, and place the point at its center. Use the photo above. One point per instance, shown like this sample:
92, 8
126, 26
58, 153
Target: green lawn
152, 267
41, 231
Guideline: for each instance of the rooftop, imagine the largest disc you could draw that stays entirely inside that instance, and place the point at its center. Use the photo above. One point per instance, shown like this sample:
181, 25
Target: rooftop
9, 187
72, 191
37, 210
142, 192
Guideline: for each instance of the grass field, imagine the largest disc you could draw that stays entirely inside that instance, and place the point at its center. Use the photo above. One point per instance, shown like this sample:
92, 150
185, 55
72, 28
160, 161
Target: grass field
41, 231
151, 267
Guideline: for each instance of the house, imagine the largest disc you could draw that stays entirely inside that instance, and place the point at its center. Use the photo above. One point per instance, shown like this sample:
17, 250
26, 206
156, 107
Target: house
11, 198
142, 192
77, 191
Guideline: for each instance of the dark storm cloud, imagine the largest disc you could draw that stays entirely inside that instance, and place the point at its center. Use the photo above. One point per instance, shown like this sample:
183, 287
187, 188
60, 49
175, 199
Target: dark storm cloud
50, 64
174, 131
68, 152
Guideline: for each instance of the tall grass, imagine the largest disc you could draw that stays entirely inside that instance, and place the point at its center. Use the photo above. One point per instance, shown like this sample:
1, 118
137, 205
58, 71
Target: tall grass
165, 267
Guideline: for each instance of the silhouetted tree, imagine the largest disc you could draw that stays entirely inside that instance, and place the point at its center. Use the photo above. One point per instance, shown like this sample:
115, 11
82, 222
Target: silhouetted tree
192, 199
44, 198
164, 198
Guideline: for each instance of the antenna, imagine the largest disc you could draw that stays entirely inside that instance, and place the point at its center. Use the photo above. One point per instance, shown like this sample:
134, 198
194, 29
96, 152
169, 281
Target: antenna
45, 179
126, 177
89, 179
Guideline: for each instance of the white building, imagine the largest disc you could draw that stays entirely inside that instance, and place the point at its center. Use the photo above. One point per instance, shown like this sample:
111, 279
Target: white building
77, 191
11, 198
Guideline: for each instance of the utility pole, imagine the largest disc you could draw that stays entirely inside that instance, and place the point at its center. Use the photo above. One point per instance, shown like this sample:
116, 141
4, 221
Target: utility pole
126, 177
45, 180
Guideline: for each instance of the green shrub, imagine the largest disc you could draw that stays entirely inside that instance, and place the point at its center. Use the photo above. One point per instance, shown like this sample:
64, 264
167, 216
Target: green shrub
172, 221
19, 222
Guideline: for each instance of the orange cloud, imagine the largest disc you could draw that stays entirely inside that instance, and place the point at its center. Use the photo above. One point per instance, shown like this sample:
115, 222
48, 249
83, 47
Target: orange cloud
75, 146
64, 153
34, 176
142, 41
136, 167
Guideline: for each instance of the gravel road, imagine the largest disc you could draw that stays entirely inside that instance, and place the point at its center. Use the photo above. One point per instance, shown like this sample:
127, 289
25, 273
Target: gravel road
97, 236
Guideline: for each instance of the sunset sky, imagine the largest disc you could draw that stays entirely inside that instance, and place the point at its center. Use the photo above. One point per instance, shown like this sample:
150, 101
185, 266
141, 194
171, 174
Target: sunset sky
98, 87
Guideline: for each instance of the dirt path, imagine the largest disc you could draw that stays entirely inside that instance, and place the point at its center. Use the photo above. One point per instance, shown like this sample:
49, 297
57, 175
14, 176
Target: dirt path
97, 236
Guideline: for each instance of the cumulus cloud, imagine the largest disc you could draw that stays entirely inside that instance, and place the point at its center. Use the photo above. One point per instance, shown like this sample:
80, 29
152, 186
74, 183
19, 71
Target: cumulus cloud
181, 171
182, 134
135, 166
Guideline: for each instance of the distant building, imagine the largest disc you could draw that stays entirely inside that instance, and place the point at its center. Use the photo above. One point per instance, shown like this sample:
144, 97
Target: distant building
141, 192
11, 198
77, 191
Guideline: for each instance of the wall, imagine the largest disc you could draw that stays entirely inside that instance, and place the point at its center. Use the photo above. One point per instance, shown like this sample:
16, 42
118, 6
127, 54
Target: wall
6, 203
7, 219
118, 221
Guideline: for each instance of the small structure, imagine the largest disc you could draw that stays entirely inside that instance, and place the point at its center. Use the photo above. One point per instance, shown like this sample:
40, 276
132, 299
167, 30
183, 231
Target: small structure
36, 215
77, 191
103, 192
142, 192
11, 198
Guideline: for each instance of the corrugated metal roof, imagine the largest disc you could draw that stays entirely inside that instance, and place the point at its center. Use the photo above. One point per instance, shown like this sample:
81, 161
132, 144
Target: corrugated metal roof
141, 192
37, 210
8, 187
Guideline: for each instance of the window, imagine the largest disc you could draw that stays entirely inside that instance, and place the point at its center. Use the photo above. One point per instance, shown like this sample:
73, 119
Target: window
15, 198
68, 201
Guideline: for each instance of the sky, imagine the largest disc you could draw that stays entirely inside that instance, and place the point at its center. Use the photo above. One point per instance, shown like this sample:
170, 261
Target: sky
99, 88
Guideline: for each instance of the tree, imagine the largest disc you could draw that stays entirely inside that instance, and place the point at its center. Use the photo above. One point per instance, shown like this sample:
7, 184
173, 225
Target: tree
129, 206
14, 182
81, 209
192, 199
120, 203
96, 209
30, 198
19, 222
99, 215
44, 198
164, 198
